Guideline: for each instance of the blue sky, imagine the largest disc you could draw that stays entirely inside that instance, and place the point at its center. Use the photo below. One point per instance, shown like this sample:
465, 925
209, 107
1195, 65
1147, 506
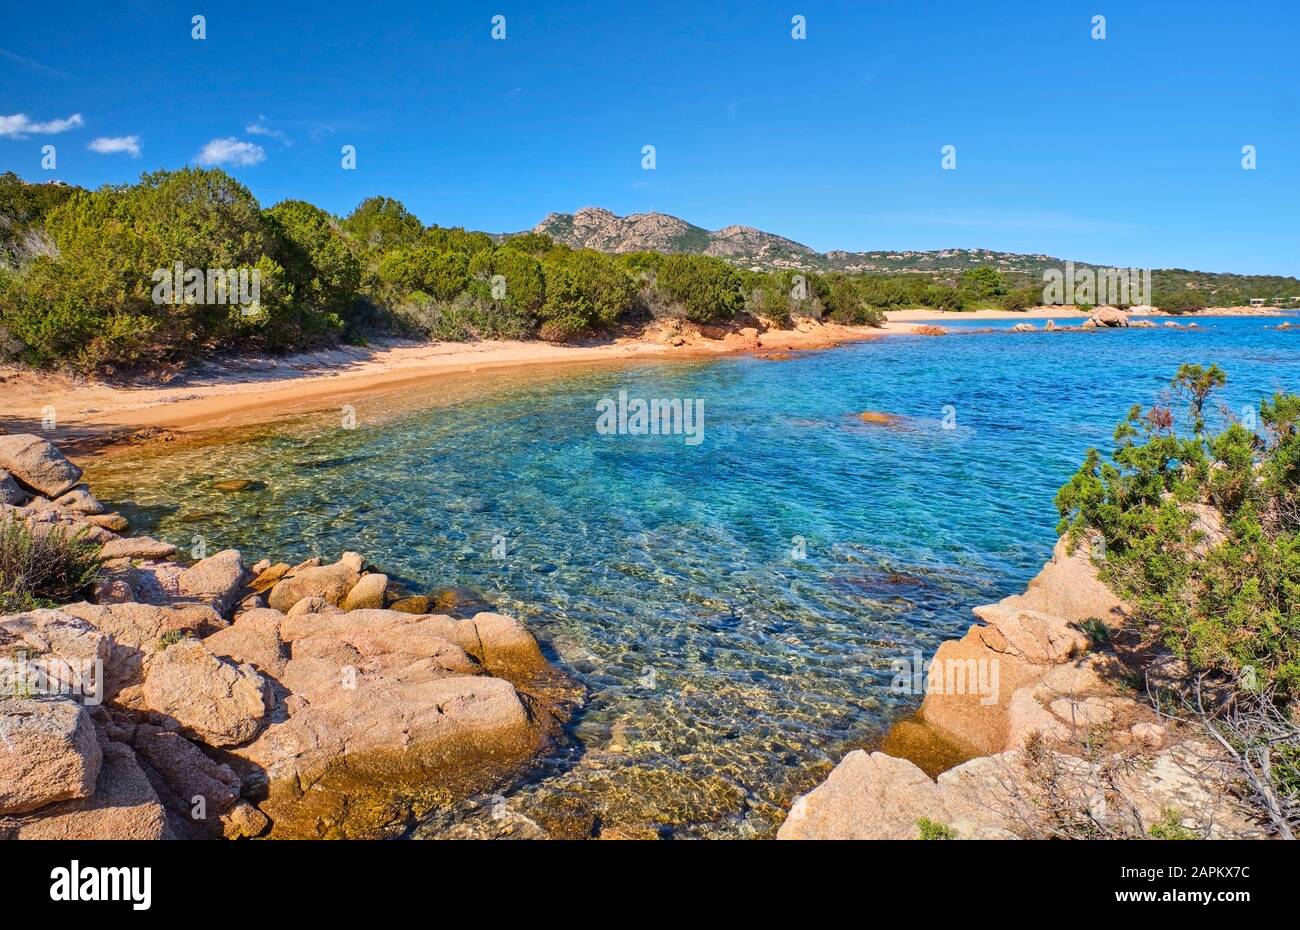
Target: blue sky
1120, 151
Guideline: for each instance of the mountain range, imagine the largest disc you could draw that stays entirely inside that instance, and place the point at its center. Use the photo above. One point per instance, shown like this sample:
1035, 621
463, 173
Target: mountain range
605, 231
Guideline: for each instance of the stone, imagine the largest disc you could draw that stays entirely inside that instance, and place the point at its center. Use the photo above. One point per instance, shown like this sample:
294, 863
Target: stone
234, 485
331, 582
123, 807
1148, 734
265, 578
253, 639
243, 821
1108, 317
48, 753
1087, 712
1035, 636
1024, 328
217, 580
313, 605
358, 762
1026, 717
416, 604
38, 464
183, 776
877, 796
137, 547
80, 500
55, 633
217, 701
368, 593
138, 633
1068, 587
962, 715
11, 492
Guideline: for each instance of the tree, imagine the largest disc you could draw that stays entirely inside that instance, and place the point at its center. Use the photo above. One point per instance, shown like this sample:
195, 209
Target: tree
708, 289
382, 223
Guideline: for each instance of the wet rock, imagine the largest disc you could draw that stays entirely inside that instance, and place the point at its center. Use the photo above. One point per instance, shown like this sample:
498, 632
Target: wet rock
114, 522
331, 582
416, 604
48, 753
243, 821
37, 464
876, 418
234, 485
219, 702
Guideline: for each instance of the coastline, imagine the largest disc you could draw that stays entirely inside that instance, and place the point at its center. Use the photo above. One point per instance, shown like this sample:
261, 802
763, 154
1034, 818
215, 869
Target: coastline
94, 417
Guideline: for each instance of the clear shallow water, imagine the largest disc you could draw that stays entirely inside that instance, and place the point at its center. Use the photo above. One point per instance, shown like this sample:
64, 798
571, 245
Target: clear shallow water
724, 674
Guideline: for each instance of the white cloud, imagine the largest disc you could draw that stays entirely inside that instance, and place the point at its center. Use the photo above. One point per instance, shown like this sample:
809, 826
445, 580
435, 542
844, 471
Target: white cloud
112, 145
19, 126
231, 151
261, 129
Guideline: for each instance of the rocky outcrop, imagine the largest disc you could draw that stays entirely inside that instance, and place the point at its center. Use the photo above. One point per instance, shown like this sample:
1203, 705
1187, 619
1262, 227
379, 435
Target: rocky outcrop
1105, 317
1060, 745
322, 714
330, 582
124, 806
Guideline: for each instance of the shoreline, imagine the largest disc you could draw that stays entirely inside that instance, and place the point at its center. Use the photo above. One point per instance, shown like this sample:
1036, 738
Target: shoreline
97, 417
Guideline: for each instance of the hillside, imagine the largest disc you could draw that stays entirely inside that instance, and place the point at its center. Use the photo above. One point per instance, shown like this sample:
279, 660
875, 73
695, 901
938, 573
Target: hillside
747, 247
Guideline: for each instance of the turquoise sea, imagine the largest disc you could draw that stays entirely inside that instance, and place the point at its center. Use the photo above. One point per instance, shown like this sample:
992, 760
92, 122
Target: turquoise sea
731, 607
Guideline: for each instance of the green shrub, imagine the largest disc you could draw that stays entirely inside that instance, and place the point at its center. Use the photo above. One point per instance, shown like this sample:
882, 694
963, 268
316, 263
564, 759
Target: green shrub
1170, 827
43, 568
707, 289
933, 830
585, 292
1229, 606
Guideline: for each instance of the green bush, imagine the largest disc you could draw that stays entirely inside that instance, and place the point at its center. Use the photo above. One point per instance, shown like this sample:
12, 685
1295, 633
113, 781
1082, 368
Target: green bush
707, 289
933, 830
586, 292
1229, 606
43, 568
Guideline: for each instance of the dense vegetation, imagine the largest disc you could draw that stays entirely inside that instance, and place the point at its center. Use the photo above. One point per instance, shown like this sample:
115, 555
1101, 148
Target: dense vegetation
1202, 530
78, 278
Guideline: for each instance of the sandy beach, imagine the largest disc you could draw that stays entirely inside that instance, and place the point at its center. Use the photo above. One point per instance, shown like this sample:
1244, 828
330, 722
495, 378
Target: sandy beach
95, 415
